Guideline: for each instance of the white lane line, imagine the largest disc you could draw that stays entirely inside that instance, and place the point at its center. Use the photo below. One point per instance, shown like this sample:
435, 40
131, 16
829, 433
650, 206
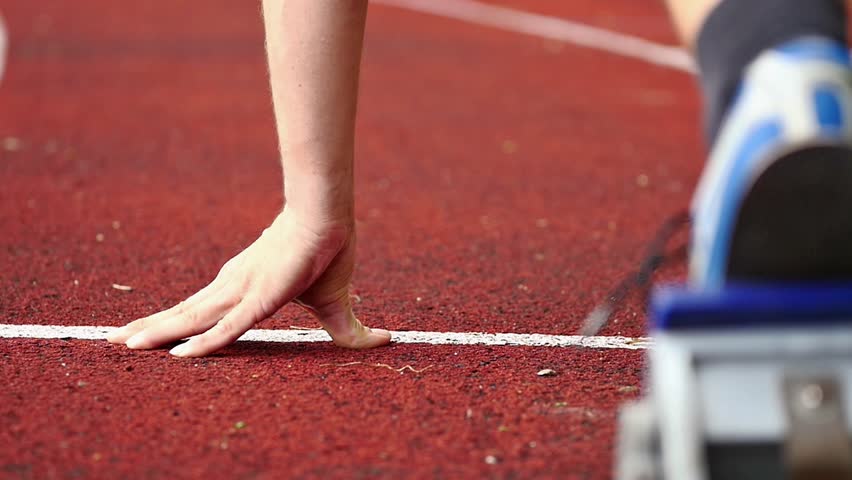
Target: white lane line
4, 41
295, 336
552, 28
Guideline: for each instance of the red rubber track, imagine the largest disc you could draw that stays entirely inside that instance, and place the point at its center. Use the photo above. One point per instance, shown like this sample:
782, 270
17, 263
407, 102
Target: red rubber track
501, 181
89, 410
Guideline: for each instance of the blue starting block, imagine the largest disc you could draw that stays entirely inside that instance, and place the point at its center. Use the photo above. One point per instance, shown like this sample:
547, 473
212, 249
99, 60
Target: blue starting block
748, 305
749, 382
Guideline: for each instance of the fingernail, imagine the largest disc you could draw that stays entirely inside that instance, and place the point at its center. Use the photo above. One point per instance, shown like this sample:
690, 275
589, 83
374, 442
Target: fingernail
180, 350
135, 341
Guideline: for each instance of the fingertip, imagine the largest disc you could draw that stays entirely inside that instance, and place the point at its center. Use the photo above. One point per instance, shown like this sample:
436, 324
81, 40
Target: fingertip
375, 337
382, 333
114, 336
123, 333
182, 350
137, 341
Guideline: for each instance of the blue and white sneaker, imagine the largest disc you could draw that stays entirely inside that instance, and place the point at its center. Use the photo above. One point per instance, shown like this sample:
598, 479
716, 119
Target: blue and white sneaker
775, 200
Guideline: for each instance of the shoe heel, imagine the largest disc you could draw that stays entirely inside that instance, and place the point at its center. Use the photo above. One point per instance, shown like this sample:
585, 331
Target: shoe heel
796, 221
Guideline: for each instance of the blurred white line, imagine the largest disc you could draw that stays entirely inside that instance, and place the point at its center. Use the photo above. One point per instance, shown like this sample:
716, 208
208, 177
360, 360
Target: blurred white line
296, 336
4, 45
551, 28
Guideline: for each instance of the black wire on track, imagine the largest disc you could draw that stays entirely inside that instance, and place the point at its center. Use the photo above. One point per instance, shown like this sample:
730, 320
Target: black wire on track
655, 257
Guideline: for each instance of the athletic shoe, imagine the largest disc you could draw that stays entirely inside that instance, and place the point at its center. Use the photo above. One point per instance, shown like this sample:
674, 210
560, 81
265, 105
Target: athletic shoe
775, 200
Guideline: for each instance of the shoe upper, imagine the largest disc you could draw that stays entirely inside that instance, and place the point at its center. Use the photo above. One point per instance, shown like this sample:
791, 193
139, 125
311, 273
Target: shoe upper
793, 96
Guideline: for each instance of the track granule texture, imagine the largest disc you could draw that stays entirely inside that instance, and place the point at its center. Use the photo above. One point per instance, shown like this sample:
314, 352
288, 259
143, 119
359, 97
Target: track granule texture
75, 409
504, 184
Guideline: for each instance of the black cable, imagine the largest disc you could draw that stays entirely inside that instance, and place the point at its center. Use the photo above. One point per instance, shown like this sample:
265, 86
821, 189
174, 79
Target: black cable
654, 258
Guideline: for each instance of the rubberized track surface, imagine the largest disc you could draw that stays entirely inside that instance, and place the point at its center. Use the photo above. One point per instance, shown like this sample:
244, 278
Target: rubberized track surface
505, 183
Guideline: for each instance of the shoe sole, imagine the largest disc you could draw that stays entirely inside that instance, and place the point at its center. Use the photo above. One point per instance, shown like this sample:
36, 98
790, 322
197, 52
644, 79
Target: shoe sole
795, 224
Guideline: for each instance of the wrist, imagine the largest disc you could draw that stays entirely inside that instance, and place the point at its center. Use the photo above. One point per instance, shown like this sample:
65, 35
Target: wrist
326, 198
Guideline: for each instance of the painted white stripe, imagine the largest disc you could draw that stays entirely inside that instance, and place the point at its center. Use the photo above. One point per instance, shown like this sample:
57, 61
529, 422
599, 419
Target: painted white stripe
4, 40
551, 28
294, 336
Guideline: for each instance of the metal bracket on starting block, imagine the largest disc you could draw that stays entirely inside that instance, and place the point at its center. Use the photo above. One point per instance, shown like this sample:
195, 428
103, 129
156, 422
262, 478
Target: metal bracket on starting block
817, 444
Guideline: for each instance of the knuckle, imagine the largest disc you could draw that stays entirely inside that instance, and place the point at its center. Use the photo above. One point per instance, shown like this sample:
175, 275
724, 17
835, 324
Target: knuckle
241, 286
180, 308
259, 309
226, 269
190, 317
226, 329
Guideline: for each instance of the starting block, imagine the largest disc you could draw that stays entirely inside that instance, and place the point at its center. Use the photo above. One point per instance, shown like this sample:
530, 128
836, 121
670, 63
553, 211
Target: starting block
750, 382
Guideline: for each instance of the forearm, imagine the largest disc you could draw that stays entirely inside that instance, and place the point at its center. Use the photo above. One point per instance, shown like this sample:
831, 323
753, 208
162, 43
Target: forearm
314, 51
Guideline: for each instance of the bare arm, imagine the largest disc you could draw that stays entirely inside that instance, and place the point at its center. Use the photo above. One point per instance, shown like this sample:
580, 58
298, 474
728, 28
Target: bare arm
307, 254
314, 49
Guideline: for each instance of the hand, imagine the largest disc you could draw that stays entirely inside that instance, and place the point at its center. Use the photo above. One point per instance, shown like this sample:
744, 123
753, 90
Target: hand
309, 263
